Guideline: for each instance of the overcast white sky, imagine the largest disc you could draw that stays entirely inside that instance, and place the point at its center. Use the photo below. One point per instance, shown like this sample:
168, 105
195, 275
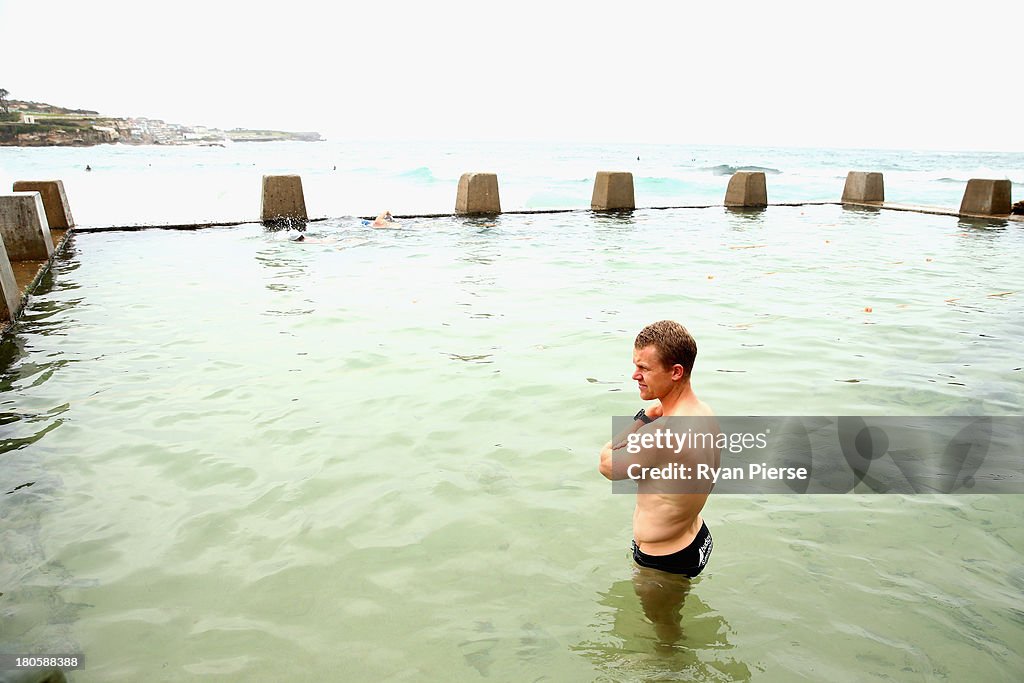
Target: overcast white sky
902, 74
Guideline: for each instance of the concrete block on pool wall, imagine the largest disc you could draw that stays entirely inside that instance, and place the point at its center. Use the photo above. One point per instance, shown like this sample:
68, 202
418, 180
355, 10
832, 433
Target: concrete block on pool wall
747, 188
11, 294
23, 227
283, 202
478, 194
55, 201
863, 188
613, 190
986, 197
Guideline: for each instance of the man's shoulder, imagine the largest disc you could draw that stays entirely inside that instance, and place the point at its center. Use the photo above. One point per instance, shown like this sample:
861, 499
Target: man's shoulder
695, 409
693, 415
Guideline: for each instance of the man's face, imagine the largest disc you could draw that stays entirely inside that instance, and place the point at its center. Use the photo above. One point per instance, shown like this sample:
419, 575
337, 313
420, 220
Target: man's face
653, 378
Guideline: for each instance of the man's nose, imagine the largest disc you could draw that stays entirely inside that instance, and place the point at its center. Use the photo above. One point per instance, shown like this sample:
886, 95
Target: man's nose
637, 376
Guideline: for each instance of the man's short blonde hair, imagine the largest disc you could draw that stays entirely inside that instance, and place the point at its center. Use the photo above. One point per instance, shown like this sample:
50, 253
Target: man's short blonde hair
672, 342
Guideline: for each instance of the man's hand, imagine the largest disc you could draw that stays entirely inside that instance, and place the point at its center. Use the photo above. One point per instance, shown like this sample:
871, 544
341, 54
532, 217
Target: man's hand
620, 440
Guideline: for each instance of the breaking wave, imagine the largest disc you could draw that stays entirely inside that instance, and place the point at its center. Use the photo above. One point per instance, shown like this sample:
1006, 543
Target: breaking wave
726, 169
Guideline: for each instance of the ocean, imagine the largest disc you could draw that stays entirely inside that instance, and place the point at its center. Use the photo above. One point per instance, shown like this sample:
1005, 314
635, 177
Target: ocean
152, 185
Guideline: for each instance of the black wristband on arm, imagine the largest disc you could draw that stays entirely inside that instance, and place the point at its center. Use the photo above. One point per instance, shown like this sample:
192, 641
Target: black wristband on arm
642, 416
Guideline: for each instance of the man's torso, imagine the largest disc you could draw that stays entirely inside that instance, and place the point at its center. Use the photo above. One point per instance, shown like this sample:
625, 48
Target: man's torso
665, 522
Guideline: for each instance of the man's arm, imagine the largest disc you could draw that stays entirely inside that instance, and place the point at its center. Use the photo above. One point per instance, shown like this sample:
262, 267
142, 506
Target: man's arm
653, 414
615, 460
605, 467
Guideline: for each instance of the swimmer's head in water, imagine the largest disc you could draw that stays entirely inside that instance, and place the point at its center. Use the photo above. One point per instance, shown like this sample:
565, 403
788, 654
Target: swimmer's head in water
384, 220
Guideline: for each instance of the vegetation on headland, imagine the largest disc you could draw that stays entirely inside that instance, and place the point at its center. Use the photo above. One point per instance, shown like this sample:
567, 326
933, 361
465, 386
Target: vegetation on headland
36, 124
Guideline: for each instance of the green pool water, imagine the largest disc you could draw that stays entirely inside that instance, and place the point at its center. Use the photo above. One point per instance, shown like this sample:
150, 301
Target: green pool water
373, 455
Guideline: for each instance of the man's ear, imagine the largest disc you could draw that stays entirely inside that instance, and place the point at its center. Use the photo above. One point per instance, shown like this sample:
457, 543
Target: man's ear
678, 372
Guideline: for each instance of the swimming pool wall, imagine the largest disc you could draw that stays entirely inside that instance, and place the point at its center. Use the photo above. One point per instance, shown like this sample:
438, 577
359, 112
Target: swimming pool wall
283, 205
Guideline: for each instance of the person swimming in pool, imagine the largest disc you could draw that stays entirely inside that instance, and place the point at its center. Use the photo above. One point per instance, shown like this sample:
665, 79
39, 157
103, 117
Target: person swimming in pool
384, 220
669, 533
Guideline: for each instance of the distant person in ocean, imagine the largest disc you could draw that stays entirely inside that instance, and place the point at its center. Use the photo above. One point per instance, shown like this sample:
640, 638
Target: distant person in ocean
384, 220
669, 533
88, 167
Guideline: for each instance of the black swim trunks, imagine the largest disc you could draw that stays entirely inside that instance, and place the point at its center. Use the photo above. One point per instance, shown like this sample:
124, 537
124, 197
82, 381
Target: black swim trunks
689, 561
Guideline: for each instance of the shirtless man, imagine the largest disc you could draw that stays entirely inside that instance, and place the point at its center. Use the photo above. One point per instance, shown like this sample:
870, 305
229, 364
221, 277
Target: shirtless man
669, 533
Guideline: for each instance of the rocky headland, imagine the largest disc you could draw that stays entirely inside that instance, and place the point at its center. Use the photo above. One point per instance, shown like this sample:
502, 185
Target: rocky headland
36, 124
